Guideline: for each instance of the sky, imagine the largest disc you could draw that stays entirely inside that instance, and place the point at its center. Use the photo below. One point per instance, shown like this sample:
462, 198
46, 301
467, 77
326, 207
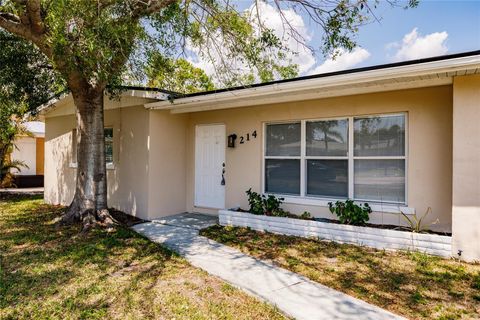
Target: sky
435, 27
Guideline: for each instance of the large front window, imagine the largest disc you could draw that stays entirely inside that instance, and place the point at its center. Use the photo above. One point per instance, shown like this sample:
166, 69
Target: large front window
360, 158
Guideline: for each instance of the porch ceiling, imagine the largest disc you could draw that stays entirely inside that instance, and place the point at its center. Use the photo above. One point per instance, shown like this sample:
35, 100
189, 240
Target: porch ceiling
435, 73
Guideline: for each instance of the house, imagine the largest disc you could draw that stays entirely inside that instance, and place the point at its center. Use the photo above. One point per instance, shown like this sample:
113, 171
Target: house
30, 150
402, 137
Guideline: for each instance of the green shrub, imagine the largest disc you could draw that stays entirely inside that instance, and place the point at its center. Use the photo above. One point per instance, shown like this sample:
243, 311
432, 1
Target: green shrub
306, 215
350, 213
265, 205
256, 202
272, 204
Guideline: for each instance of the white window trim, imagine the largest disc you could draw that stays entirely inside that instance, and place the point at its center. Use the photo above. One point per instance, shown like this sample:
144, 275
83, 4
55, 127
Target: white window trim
304, 199
109, 165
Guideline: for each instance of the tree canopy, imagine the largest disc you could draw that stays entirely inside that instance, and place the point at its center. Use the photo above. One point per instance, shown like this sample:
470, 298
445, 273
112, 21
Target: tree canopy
176, 75
95, 45
102, 40
26, 77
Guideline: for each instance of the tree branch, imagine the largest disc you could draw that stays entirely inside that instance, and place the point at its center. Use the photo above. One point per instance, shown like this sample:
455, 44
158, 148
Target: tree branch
12, 24
147, 7
35, 17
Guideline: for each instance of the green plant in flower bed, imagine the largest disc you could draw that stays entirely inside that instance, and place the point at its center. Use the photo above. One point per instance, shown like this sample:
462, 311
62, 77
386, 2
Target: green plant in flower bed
350, 213
256, 202
272, 205
265, 205
306, 215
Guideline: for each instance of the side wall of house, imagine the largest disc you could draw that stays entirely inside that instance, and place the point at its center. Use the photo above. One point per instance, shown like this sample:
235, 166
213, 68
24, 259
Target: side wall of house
130, 153
466, 167
429, 179
167, 159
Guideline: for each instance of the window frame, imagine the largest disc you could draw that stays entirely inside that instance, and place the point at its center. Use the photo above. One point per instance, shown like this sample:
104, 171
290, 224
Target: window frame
304, 198
265, 157
110, 163
74, 143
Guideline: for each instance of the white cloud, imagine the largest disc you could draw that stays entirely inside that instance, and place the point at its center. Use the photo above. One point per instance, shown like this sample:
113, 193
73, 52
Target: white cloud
344, 60
415, 46
271, 18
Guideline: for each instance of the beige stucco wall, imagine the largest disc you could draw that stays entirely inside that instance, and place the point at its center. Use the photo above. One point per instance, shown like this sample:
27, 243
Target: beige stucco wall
59, 176
167, 161
466, 167
429, 179
130, 125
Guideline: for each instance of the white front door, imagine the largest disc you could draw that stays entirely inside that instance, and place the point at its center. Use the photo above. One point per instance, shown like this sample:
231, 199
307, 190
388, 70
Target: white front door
209, 166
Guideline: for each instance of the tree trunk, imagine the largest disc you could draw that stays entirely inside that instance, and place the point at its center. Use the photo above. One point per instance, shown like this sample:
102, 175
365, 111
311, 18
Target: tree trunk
89, 204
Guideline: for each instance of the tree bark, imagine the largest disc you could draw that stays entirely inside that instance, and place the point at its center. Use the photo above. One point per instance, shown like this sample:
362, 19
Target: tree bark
89, 203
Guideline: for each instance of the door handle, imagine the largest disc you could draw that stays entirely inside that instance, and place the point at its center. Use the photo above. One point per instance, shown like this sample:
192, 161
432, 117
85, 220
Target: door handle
223, 175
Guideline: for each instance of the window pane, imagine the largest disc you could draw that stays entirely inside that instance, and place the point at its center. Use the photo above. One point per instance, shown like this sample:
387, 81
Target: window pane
108, 145
380, 136
74, 146
327, 178
380, 180
327, 138
282, 176
283, 139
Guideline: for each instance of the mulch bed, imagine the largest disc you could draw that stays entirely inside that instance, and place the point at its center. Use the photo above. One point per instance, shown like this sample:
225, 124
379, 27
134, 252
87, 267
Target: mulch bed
124, 218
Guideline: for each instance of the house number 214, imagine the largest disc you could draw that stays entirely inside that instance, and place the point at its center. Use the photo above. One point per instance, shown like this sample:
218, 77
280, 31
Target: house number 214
247, 137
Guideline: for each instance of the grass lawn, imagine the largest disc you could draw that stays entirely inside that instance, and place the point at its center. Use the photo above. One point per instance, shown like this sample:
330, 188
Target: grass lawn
49, 272
414, 285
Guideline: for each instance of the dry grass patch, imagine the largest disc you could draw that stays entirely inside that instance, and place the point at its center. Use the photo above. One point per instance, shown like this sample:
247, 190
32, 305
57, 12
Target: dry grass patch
47, 272
415, 285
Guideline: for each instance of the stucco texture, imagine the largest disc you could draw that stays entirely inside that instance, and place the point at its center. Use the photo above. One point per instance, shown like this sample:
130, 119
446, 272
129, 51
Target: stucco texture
466, 167
127, 180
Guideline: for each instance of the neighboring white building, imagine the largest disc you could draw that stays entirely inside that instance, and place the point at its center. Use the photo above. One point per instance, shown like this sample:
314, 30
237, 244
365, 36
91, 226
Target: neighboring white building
30, 150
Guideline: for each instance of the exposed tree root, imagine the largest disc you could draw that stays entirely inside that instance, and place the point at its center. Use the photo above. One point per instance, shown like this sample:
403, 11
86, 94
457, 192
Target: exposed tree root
89, 218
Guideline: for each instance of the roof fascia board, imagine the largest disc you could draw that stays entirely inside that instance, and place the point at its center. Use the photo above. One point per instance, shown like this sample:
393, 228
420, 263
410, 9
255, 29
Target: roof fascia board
138, 93
309, 95
416, 70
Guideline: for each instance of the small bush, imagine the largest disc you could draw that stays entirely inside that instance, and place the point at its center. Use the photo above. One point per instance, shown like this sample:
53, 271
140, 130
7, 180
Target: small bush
255, 202
306, 215
350, 213
265, 205
272, 204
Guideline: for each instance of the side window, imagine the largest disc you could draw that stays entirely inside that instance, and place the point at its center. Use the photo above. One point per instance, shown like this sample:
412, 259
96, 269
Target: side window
74, 146
108, 145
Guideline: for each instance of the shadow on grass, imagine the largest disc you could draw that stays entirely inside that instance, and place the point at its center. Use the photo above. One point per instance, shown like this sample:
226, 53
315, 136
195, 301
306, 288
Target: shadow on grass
38, 259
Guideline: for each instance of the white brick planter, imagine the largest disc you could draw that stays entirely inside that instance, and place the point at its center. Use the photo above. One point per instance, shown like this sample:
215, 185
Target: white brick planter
367, 236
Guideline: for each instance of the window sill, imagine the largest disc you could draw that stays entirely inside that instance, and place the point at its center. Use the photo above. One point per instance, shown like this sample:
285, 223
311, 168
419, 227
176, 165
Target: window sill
110, 166
376, 206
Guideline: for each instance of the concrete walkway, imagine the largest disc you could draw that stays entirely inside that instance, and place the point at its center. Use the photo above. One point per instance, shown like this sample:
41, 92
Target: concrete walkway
295, 295
20, 191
